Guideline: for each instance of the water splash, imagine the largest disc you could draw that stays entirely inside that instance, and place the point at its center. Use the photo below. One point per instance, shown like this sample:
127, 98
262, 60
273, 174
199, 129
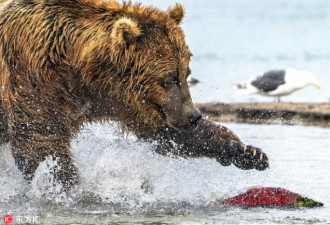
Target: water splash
119, 169
122, 176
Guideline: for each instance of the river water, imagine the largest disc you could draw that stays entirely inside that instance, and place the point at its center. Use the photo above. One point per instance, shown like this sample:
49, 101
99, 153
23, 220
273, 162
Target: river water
124, 182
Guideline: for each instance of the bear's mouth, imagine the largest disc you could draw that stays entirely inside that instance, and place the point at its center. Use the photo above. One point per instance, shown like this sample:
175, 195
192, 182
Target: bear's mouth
160, 110
187, 128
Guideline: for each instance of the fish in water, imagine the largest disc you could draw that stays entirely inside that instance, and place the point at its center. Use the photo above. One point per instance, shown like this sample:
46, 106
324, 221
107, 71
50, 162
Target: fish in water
270, 196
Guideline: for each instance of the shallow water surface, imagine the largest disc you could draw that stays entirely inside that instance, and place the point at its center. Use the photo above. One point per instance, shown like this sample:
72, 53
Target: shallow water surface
124, 182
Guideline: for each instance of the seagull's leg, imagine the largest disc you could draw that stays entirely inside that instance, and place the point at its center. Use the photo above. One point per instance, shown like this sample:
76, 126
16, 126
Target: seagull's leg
275, 99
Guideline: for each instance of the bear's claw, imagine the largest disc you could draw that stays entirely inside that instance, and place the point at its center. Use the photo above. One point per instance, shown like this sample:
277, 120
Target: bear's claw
243, 157
251, 158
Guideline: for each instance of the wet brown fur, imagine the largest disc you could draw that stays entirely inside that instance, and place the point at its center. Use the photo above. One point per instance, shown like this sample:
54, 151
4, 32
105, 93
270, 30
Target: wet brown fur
62, 65
55, 48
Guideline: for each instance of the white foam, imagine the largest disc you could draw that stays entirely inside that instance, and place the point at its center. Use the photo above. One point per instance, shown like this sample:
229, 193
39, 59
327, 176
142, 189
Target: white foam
120, 169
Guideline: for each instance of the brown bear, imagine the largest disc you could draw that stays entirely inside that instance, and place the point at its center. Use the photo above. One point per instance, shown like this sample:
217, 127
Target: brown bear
68, 62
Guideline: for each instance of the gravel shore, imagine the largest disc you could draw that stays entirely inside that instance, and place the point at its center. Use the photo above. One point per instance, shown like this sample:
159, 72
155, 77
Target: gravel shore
307, 114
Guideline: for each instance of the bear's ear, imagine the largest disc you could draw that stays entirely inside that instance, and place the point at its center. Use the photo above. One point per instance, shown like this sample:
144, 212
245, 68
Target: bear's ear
125, 30
176, 13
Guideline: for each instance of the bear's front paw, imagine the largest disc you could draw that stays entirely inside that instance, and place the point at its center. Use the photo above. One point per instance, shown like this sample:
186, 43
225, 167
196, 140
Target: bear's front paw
249, 157
243, 157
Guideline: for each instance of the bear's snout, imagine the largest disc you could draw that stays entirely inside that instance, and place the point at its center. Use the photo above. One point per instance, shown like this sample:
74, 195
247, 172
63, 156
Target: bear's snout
193, 118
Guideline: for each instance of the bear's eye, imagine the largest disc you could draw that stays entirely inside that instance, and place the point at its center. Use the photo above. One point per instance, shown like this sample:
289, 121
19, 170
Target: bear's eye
188, 72
170, 79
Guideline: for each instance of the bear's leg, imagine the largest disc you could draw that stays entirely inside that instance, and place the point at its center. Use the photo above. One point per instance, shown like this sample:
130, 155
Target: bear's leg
32, 144
64, 171
213, 141
4, 138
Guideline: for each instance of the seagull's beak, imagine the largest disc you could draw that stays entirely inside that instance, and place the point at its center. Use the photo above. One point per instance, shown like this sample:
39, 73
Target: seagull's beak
317, 85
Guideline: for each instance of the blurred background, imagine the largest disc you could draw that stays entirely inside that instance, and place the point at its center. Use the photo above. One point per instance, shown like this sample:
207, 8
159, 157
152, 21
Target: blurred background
233, 40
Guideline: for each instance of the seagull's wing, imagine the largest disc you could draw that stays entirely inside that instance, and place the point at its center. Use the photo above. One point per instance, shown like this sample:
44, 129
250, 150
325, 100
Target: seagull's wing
269, 81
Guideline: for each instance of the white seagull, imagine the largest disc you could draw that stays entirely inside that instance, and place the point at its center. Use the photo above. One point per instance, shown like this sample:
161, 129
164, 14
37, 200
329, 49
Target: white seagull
277, 83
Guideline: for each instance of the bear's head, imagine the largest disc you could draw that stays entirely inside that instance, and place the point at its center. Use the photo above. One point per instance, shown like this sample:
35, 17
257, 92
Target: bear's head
149, 66
157, 66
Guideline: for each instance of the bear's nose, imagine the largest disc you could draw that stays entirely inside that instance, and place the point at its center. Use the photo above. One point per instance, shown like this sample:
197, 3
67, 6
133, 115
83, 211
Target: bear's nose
194, 118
